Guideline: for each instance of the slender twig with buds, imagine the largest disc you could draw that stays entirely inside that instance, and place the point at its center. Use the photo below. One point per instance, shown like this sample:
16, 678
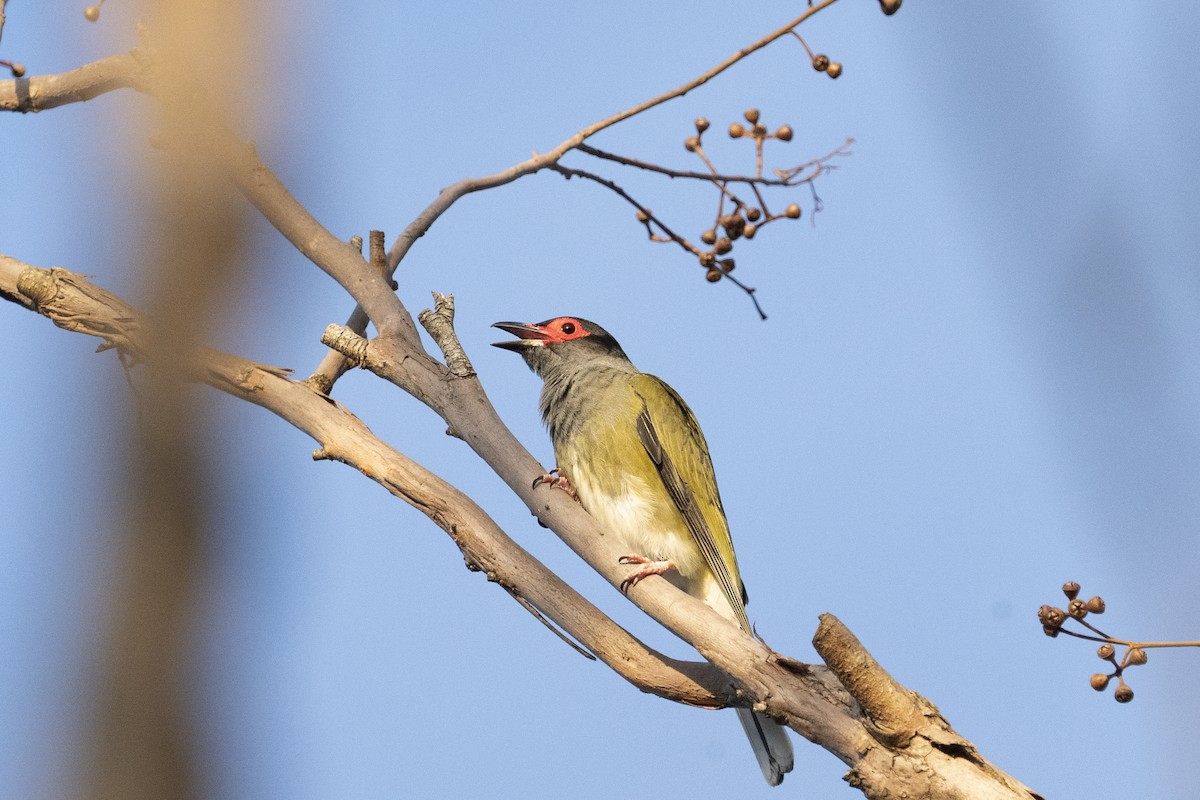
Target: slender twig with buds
1054, 620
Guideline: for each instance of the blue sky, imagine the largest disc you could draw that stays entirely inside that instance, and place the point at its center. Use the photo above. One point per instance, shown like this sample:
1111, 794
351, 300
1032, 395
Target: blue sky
978, 380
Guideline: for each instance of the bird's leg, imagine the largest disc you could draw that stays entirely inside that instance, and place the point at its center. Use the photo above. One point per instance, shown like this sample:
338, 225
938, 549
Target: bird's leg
555, 478
648, 567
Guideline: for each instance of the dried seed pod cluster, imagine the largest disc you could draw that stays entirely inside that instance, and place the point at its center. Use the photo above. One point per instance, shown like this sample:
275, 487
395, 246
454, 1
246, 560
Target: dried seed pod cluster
744, 219
1054, 621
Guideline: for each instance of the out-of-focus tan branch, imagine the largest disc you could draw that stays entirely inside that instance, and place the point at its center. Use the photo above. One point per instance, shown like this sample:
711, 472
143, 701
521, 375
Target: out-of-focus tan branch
137, 70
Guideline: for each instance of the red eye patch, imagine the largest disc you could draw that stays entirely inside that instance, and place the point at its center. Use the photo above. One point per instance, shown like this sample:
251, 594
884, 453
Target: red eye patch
563, 329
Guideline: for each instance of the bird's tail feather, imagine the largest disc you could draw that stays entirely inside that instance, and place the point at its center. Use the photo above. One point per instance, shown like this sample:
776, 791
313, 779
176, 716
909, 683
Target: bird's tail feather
771, 744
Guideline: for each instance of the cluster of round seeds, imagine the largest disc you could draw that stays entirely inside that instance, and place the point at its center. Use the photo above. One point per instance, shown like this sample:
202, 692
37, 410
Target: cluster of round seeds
745, 220
1054, 619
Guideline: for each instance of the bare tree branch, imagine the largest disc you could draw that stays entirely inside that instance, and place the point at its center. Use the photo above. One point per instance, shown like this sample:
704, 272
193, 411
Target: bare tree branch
786, 177
453, 193
42, 92
76, 304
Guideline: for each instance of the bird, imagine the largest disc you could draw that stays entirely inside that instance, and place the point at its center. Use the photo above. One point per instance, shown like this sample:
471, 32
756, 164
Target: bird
629, 449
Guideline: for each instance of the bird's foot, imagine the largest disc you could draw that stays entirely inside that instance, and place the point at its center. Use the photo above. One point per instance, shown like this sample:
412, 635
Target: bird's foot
647, 568
555, 478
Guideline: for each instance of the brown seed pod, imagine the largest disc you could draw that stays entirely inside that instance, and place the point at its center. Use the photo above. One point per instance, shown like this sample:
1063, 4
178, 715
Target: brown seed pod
749, 230
1051, 617
727, 264
1105, 651
713, 275
17, 70
709, 236
1099, 681
733, 225
1136, 655
889, 6
1077, 608
835, 70
702, 124
91, 13
751, 115
820, 62
723, 246
753, 214
1095, 605
691, 143
1071, 590
792, 211
736, 130
784, 134
1123, 694
708, 260
643, 215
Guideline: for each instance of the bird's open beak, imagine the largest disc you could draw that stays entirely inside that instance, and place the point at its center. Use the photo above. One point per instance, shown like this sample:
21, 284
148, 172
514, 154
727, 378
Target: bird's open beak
528, 336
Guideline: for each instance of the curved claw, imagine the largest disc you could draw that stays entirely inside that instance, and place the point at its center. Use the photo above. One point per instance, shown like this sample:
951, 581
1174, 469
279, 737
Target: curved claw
555, 478
647, 568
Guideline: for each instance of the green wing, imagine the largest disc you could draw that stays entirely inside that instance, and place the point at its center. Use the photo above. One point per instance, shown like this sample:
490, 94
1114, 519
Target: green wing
673, 440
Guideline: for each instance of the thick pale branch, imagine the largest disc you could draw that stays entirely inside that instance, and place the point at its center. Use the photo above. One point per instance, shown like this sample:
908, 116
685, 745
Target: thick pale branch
439, 322
40, 92
73, 303
892, 709
337, 258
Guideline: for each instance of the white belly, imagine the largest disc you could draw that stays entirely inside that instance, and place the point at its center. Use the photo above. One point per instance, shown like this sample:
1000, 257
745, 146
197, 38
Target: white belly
646, 523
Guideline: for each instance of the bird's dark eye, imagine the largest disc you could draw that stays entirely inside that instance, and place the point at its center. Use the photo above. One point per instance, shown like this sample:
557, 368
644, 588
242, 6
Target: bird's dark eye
568, 327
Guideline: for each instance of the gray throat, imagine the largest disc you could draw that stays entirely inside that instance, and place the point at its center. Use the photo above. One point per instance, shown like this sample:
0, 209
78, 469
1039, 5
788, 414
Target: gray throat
570, 396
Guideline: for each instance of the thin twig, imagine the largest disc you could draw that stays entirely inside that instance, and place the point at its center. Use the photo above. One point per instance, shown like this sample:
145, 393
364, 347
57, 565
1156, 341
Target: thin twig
1124, 642
821, 164
451, 194
557, 631
807, 49
448, 196
682, 173
569, 172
